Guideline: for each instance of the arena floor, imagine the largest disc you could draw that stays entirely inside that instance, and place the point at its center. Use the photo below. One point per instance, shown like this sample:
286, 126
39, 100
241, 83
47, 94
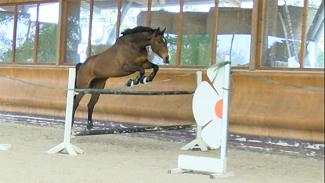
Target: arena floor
144, 157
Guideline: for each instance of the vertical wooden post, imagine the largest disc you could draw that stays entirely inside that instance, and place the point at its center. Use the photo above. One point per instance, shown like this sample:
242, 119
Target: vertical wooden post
57, 62
119, 14
36, 43
148, 15
14, 35
303, 35
214, 28
257, 34
180, 27
91, 11
63, 27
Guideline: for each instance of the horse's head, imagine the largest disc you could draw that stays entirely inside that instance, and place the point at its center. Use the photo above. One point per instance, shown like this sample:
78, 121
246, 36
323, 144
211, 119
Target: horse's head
159, 44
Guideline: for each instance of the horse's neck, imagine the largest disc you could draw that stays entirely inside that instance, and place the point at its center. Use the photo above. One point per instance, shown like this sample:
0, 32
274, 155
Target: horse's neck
141, 40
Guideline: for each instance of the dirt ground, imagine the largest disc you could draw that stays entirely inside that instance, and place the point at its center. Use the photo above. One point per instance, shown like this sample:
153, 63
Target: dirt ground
121, 158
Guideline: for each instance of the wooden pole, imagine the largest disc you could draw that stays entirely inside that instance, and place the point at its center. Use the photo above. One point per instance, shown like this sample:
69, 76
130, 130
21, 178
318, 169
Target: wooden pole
91, 11
303, 35
36, 43
180, 25
214, 28
257, 34
148, 16
128, 92
63, 26
119, 14
14, 35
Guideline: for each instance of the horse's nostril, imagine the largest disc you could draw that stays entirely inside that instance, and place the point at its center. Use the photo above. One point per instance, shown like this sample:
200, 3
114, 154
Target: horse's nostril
167, 58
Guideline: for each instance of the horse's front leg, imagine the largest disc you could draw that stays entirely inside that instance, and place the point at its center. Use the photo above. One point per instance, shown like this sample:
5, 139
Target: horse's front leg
149, 65
139, 78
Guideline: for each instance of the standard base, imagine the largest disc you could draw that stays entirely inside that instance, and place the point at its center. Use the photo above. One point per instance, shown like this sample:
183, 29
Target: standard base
196, 144
212, 175
71, 149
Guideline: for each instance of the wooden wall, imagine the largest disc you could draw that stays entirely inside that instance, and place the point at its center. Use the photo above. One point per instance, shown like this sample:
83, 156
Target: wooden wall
258, 107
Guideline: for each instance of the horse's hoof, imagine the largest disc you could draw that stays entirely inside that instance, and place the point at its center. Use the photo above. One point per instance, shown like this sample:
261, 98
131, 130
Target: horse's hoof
144, 80
90, 126
130, 83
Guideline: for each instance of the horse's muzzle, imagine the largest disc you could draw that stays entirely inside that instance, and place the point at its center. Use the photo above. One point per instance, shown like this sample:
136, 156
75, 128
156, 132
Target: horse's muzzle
166, 59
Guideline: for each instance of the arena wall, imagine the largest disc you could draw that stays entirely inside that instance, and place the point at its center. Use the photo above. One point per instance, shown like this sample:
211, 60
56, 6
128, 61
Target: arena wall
263, 103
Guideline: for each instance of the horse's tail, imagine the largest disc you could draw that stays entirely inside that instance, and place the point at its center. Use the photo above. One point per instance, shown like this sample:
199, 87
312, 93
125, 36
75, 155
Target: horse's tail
78, 65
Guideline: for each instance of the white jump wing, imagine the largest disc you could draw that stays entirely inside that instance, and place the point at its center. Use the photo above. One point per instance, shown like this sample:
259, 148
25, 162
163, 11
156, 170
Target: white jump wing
207, 108
211, 134
203, 104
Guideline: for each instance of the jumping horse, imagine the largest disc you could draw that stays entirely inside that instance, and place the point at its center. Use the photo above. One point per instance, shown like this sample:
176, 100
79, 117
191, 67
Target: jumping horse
127, 56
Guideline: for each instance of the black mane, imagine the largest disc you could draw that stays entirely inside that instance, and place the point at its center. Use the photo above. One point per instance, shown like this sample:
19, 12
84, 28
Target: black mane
137, 30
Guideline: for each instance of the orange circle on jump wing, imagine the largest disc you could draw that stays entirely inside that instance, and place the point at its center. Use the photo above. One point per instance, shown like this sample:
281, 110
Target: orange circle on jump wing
218, 108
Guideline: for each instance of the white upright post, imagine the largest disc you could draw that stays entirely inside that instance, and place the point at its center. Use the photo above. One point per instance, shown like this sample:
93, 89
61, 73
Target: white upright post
225, 111
66, 144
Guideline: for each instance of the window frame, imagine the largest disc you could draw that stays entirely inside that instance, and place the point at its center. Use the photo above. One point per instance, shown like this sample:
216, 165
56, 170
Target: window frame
36, 42
257, 31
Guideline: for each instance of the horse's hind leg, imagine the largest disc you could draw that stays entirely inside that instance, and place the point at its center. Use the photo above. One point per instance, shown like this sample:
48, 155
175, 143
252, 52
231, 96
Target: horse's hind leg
80, 83
98, 84
77, 99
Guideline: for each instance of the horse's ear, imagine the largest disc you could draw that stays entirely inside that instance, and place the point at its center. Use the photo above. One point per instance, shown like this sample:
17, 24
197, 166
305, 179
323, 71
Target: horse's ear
163, 31
157, 31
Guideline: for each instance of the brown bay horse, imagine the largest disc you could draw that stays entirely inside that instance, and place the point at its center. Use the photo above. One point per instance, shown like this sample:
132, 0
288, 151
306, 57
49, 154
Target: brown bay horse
127, 56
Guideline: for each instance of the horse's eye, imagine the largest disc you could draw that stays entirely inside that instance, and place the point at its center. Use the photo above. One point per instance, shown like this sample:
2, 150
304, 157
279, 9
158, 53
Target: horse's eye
164, 40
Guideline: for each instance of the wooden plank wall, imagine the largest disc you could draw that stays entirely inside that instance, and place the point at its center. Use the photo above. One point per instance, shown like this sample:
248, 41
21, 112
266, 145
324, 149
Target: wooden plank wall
258, 107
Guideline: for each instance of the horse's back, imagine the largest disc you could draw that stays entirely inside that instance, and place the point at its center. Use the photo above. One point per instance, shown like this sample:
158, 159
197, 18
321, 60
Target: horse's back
116, 61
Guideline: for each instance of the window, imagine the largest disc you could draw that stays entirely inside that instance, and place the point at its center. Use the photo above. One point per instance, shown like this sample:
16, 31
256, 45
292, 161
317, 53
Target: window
282, 33
164, 15
286, 32
29, 34
314, 56
77, 32
234, 32
48, 33
26, 29
6, 33
196, 38
103, 26
130, 17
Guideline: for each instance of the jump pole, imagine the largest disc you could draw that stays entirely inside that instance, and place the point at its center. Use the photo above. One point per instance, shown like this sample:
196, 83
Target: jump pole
66, 144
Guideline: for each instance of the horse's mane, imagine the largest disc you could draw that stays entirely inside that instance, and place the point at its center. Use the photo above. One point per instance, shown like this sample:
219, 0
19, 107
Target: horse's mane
137, 30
